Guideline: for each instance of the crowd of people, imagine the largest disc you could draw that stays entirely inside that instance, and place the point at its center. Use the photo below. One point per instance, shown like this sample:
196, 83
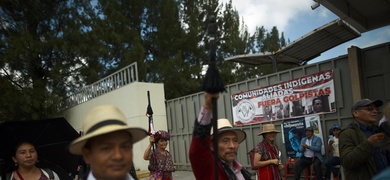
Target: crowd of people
362, 148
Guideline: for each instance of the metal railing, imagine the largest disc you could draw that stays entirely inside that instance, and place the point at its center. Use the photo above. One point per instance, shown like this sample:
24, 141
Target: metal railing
120, 78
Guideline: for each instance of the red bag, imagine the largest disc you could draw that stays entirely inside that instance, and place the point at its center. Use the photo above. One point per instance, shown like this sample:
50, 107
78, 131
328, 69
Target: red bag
251, 157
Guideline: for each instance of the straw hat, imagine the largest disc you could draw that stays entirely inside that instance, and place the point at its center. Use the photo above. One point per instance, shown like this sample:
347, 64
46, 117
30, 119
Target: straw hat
224, 125
103, 120
267, 128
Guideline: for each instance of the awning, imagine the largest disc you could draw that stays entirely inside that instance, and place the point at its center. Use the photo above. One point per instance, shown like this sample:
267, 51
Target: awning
363, 15
305, 48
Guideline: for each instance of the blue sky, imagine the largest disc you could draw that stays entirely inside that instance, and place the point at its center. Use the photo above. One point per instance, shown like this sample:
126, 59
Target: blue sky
296, 18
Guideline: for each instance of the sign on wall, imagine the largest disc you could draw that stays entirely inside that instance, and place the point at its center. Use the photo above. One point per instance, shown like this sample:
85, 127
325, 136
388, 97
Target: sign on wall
307, 95
293, 130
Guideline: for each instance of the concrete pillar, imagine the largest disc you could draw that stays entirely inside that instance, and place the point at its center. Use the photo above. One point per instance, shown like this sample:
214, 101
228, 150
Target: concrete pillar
354, 59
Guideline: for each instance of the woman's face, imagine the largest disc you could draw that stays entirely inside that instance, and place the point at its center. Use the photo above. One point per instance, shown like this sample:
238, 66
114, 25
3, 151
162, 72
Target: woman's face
162, 143
270, 136
26, 155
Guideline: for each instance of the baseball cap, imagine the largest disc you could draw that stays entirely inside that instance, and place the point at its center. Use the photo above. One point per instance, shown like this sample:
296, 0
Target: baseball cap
336, 127
366, 102
309, 129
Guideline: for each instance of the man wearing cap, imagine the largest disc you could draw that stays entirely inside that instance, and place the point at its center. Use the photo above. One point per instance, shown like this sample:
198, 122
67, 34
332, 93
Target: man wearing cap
107, 144
333, 146
201, 149
311, 149
362, 153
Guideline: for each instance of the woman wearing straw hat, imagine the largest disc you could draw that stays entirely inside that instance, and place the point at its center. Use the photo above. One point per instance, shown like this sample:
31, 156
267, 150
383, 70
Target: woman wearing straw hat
160, 160
267, 155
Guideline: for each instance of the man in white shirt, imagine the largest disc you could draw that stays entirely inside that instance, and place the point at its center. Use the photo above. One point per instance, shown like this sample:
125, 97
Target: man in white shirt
333, 146
311, 149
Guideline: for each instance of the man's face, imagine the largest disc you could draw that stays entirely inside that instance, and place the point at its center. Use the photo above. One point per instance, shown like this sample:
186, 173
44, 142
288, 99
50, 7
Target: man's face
317, 106
228, 146
309, 134
366, 115
267, 109
110, 155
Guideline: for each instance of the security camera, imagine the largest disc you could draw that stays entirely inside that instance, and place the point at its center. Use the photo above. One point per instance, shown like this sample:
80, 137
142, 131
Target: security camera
315, 6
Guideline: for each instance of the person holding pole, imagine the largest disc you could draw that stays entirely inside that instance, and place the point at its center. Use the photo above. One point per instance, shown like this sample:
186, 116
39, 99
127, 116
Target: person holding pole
201, 149
160, 160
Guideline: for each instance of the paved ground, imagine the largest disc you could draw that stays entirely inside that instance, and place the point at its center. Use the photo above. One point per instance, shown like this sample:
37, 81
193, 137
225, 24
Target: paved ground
182, 175
179, 175
187, 175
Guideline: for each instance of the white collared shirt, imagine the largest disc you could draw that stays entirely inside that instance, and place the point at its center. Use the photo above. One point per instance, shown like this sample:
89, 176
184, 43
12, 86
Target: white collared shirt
91, 177
308, 152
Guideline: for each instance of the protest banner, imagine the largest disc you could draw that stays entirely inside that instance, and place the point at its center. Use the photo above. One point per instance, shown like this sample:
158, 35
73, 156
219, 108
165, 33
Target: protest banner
307, 95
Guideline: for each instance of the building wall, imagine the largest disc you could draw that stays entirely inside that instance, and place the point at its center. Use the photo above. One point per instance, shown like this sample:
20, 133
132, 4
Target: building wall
369, 78
132, 100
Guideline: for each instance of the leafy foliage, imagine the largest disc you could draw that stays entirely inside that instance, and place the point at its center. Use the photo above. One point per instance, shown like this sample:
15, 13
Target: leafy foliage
50, 49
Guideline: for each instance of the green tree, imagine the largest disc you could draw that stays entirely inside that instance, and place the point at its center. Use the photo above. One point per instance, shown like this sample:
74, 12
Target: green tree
117, 30
41, 54
51, 49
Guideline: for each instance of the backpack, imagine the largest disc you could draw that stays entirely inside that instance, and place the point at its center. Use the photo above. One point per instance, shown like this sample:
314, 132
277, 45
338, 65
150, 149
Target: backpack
49, 173
251, 154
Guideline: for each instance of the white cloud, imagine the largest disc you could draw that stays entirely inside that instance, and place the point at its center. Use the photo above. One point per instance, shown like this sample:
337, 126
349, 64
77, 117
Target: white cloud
269, 13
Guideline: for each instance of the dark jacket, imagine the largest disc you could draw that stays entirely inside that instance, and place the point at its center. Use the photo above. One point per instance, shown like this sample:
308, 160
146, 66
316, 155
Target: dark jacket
356, 153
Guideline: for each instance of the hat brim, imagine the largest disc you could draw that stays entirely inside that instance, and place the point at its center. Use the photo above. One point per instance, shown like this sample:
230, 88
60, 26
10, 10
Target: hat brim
241, 135
275, 131
77, 145
333, 128
377, 103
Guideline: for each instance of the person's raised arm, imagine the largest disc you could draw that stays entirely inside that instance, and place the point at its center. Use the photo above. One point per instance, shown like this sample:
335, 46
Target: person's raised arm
148, 149
205, 114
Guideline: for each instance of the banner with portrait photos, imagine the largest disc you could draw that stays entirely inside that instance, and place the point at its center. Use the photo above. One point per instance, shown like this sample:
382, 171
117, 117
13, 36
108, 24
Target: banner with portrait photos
293, 130
307, 95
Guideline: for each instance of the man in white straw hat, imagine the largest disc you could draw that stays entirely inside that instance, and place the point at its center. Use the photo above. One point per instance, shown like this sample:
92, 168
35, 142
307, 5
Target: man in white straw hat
107, 144
201, 149
267, 157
